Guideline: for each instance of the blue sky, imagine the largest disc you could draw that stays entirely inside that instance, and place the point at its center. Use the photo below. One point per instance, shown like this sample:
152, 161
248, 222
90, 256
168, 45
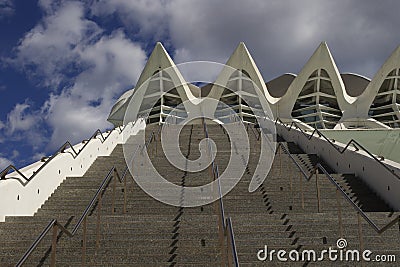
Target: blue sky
64, 63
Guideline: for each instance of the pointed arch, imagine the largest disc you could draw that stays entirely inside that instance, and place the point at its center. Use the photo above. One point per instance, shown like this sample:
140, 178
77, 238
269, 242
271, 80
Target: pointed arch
386, 104
317, 95
161, 83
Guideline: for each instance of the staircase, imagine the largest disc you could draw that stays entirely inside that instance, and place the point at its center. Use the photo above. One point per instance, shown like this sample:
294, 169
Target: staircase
149, 234
282, 214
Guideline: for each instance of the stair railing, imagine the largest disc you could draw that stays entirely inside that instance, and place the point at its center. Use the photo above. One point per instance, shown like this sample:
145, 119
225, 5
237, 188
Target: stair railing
320, 167
352, 142
360, 213
47, 160
96, 202
225, 228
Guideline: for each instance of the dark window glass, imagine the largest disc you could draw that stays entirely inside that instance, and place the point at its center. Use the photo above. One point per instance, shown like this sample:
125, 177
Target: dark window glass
329, 102
324, 73
382, 100
392, 73
381, 111
326, 87
245, 73
314, 74
309, 88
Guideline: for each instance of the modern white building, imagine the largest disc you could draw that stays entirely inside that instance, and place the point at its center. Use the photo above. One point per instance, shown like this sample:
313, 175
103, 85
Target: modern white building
319, 96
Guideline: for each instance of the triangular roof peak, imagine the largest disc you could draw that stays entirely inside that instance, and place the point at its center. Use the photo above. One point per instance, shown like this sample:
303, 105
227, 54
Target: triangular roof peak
159, 59
241, 59
320, 59
365, 100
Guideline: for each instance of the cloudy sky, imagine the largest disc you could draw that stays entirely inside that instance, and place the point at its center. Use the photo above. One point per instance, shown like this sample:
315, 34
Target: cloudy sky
64, 63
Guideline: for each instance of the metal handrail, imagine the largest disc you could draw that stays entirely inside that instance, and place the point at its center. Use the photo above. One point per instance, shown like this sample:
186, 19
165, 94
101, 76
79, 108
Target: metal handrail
54, 224
231, 237
62, 149
352, 203
353, 142
225, 223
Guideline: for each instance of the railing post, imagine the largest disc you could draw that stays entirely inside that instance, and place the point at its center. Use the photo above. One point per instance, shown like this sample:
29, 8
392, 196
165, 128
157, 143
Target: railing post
230, 252
280, 159
155, 140
113, 191
339, 213
54, 245
98, 222
221, 235
125, 194
291, 185
318, 193
301, 191
84, 241
360, 237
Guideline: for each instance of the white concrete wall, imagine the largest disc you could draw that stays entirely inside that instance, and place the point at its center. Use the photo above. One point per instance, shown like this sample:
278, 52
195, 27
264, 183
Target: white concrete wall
25, 200
386, 185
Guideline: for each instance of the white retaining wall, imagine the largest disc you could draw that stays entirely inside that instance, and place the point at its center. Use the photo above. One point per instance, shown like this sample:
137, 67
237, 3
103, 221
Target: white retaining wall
24, 200
386, 185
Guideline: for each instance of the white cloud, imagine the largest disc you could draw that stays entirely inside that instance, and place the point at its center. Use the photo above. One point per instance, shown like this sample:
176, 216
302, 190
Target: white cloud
49, 49
7, 8
20, 120
15, 154
38, 156
281, 35
147, 17
90, 68
23, 123
4, 162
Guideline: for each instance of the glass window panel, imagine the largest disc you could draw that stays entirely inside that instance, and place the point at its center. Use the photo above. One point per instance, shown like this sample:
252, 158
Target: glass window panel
329, 102
387, 118
233, 86
382, 100
310, 119
398, 96
326, 87
246, 74
385, 86
171, 101
167, 85
381, 111
154, 87
173, 92
324, 73
235, 74
309, 88
166, 75
248, 87
314, 74
230, 100
392, 73
303, 112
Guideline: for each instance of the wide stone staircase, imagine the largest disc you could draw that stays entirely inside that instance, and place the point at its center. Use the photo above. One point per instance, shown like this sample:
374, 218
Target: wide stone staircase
282, 214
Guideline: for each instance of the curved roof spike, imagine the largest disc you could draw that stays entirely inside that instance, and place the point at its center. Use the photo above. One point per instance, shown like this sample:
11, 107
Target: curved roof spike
241, 59
159, 59
364, 101
320, 59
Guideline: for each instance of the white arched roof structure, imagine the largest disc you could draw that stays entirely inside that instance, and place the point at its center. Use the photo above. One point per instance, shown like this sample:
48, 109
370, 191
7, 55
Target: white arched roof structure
159, 79
381, 98
317, 95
